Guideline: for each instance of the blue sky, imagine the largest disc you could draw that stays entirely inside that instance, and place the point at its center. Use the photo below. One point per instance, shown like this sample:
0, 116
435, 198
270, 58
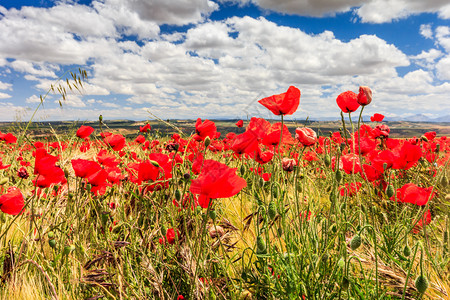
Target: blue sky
216, 58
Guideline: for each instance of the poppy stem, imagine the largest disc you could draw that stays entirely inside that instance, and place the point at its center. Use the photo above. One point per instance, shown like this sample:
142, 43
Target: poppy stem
344, 128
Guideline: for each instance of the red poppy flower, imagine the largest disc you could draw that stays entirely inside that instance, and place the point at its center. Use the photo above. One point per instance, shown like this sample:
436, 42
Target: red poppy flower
216, 180
145, 128
263, 157
310, 156
430, 135
381, 131
140, 139
337, 138
411, 193
272, 136
9, 138
376, 118
22, 173
350, 163
283, 104
2, 166
364, 96
407, 156
371, 173
84, 131
288, 164
306, 136
106, 159
49, 172
85, 168
347, 102
367, 145
350, 189
170, 236
205, 129
240, 123
12, 202
115, 141
246, 142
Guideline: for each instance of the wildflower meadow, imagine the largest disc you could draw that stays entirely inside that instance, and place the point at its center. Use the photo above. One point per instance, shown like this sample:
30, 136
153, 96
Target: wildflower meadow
259, 213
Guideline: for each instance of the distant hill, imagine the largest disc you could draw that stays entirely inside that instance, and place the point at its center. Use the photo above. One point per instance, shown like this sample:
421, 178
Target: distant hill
423, 118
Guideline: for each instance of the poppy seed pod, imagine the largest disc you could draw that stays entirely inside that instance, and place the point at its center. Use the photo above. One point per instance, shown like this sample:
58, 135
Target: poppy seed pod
364, 96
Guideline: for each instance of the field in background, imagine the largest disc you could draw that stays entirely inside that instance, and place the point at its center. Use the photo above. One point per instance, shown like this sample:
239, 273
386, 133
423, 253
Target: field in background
400, 129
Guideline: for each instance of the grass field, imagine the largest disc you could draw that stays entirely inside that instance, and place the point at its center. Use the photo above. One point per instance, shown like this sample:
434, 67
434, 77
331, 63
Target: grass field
175, 210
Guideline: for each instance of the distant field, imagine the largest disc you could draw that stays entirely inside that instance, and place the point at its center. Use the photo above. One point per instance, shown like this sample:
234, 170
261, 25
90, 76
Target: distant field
128, 128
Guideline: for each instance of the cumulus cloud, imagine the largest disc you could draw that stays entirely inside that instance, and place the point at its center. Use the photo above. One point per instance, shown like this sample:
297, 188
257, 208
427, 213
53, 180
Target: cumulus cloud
177, 12
4, 96
372, 11
33, 99
214, 68
425, 31
5, 86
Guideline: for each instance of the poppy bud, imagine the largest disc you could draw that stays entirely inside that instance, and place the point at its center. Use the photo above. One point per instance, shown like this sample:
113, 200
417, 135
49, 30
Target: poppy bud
424, 138
280, 231
207, 141
178, 195
51, 235
365, 95
3, 180
438, 147
155, 163
327, 160
444, 181
421, 283
242, 169
272, 210
407, 250
52, 243
261, 247
212, 214
338, 175
341, 263
355, 242
390, 191
68, 249
345, 283
100, 119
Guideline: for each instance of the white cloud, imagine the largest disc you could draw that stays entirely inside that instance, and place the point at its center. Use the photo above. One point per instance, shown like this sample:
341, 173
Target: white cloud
178, 12
425, 31
5, 86
370, 11
34, 69
71, 101
427, 59
4, 96
216, 68
33, 99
